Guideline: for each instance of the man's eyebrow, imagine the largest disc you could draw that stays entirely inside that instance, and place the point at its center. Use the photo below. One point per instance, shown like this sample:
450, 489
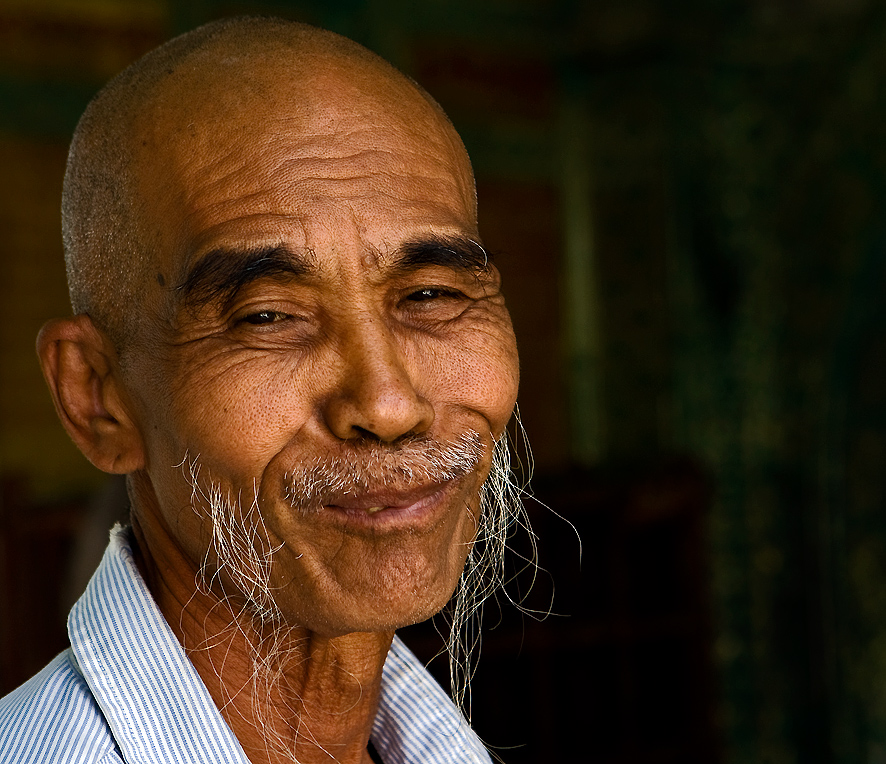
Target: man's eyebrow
221, 273
458, 252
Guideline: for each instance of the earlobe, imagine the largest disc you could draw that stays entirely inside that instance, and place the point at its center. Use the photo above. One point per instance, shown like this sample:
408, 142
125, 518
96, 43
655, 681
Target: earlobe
79, 364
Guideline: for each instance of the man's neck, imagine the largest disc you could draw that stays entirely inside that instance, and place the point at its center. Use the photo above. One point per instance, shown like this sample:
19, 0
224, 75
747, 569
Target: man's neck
289, 695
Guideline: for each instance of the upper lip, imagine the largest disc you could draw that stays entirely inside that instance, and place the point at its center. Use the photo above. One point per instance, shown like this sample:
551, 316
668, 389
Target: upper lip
384, 498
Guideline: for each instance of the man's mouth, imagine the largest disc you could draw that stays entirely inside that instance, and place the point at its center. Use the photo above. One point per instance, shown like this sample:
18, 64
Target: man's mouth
371, 480
370, 503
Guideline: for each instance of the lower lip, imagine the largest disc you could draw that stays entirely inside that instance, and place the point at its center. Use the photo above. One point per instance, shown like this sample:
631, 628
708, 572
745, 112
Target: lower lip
424, 512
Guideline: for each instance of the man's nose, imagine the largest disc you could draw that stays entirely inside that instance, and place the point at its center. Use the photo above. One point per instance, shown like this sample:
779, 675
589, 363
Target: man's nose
376, 395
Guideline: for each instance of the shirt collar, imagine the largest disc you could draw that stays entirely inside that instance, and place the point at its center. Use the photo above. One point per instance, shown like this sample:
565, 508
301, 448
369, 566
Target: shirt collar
154, 701
416, 721
158, 708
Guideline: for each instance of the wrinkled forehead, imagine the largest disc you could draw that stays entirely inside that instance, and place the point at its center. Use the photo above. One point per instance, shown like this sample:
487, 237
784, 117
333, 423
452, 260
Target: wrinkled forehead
230, 127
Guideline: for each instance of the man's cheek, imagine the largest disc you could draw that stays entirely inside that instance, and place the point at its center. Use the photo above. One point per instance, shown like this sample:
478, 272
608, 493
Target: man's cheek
487, 384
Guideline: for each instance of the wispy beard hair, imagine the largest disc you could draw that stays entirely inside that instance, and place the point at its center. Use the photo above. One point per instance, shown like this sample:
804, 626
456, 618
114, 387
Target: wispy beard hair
241, 551
502, 512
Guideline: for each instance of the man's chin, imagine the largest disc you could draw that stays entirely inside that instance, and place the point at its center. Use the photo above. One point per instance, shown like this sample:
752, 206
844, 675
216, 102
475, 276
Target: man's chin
384, 610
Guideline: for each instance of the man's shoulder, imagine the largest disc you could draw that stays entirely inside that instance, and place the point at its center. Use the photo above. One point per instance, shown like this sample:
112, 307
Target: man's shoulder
54, 719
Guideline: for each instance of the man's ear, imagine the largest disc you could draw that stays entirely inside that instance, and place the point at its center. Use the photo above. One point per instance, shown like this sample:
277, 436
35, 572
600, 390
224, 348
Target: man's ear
80, 366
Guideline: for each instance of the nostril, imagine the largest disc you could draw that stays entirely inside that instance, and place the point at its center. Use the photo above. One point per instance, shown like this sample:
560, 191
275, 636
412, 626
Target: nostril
362, 432
377, 418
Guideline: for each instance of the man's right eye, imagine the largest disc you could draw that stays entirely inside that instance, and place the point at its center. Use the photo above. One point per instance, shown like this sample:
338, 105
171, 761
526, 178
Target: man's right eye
434, 293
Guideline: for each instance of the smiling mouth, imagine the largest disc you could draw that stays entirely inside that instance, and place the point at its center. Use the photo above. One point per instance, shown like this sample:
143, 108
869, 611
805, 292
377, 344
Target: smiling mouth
392, 508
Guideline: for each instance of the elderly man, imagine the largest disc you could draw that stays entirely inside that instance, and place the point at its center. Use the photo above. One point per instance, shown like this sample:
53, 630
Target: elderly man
289, 338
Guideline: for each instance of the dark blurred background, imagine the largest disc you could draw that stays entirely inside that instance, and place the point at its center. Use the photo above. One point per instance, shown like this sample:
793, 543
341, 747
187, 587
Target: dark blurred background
686, 200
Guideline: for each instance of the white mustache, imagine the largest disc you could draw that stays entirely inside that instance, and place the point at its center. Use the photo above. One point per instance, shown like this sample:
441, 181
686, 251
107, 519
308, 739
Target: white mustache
419, 461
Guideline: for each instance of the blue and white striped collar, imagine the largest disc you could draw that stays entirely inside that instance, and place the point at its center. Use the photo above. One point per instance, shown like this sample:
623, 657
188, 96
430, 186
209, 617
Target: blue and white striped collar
159, 710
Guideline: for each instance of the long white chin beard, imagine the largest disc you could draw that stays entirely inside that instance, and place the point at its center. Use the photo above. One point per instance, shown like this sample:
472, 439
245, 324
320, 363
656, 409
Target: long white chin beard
241, 553
501, 510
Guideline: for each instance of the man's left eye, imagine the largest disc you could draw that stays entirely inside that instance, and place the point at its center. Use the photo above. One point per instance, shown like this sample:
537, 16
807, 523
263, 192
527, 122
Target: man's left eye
263, 317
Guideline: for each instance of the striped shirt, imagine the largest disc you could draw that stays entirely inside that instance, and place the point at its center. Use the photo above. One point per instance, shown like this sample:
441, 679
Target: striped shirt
125, 691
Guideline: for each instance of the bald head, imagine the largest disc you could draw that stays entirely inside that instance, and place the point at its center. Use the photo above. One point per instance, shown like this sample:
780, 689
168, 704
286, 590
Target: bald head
278, 232
233, 89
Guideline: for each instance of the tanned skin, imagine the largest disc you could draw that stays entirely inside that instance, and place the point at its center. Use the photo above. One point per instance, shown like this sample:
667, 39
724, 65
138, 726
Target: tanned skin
316, 284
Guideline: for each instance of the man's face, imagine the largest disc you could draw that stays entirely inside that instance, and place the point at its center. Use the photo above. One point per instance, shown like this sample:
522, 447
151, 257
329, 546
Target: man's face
324, 301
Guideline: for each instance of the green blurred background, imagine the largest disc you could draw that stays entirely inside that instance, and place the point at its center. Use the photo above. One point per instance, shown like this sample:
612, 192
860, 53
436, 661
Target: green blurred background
686, 201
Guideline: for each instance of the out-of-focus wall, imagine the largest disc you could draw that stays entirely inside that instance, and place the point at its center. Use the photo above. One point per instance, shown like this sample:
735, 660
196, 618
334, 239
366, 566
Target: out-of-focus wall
53, 57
